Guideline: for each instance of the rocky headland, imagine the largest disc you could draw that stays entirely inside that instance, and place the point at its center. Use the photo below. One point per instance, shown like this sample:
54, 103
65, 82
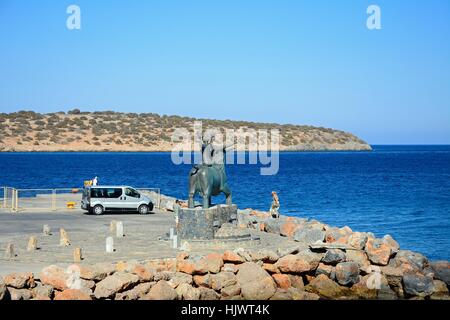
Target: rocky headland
28, 131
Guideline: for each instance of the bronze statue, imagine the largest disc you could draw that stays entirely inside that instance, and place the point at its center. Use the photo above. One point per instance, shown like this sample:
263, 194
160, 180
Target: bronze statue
208, 178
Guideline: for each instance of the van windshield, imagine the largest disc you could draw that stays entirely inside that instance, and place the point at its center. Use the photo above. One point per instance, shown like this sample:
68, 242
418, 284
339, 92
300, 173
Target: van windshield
132, 193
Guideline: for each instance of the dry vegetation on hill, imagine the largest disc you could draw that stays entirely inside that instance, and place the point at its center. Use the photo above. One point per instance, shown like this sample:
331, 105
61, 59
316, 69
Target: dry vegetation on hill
114, 131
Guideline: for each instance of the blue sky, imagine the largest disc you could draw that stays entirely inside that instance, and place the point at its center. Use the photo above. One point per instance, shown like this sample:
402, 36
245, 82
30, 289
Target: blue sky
301, 62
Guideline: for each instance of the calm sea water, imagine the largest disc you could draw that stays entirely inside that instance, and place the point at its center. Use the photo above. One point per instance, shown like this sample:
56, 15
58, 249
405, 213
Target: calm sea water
399, 190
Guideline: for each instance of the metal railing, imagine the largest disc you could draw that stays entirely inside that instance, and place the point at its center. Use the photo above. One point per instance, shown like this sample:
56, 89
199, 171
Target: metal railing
7, 196
18, 200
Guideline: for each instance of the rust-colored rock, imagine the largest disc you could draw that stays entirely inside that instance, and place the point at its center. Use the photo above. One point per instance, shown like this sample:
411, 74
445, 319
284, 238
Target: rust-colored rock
282, 280
203, 280
270, 267
212, 262
19, 280
230, 256
293, 264
378, 252
161, 291
288, 228
54, 276
325, 287
144, 273
72, 294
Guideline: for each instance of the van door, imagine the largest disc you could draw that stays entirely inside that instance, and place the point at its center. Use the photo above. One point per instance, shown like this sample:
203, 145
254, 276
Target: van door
132, 199
113, 198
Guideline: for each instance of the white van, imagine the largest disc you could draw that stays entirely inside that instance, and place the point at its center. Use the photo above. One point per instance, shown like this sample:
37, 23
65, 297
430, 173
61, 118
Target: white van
98, 199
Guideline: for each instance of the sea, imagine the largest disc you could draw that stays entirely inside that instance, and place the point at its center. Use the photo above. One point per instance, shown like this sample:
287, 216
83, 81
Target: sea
401, 190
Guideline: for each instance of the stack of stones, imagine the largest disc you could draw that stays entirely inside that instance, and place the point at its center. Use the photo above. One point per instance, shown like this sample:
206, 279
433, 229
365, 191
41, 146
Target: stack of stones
240, 274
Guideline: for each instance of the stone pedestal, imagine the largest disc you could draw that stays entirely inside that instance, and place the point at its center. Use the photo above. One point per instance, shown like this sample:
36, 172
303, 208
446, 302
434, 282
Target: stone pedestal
202, 224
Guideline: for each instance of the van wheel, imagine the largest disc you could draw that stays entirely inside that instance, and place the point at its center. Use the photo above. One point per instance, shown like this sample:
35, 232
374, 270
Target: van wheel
98, 210
143, 209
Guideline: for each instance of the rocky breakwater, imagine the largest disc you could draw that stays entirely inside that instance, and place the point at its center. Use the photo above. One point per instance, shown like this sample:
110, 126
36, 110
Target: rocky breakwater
323, 262
350, 264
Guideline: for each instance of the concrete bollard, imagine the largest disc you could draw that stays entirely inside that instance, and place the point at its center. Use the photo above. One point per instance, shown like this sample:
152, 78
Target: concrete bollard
109, 245
9, 252
112, 226
175, 242
32, 244
119, 229
63, 238
46, 230
77, 255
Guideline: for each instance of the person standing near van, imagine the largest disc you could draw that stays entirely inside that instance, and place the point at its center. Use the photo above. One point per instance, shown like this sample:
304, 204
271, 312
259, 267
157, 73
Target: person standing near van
94, 181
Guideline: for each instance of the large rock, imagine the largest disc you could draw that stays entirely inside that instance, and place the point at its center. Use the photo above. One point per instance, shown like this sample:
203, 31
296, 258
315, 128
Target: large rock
138, 292
233, 257
347, 273
208, 294
409, 261
231, 291
273, 225
441, 271
42, 292
440, 291
161, 291
264, 255
2, 289
358, 240
378, 251
144, 273
222, 280
360, 257
333, 256
313, 258
55, 276
293, 264
212, 262
394, 277
416, 284
179, 278
187, 292
72, 294
361, 289
20, 280
390, 242
308, 236
193, 265
282, 280
255, 282
289, 228
96, 272
327, 288
327, 270
118, 282
19, 294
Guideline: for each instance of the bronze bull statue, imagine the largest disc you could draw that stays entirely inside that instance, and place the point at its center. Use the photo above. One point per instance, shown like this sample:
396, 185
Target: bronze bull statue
207, 181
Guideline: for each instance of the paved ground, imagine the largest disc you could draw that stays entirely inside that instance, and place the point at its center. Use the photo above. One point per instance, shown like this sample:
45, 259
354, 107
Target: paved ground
85, 231
89, 232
